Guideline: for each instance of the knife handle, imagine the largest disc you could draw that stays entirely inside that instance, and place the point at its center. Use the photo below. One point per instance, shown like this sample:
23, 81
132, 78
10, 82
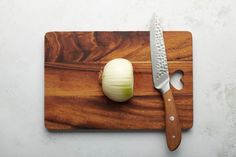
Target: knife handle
173, 128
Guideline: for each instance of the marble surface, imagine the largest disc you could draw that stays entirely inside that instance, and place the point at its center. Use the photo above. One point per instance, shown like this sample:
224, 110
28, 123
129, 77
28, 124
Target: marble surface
22, 27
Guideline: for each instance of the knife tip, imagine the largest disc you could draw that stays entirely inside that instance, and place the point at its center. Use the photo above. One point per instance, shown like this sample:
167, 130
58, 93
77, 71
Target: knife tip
154, 19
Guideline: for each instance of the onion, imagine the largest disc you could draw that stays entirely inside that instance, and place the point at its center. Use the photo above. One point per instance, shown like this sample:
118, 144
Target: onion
118, 80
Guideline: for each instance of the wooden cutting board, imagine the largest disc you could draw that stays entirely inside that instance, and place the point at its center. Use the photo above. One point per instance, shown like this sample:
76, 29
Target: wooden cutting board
73, 96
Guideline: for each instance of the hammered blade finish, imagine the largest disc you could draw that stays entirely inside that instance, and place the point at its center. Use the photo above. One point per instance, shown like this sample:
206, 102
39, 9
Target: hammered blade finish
158, 55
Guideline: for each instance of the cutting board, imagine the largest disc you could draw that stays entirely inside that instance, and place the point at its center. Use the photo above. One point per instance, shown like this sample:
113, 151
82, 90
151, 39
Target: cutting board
73, 95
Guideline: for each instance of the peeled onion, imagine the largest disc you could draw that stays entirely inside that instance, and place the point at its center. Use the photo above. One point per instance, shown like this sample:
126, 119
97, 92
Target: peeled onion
118, 80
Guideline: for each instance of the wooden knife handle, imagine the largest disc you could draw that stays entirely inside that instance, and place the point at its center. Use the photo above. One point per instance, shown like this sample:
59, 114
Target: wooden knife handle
173, 128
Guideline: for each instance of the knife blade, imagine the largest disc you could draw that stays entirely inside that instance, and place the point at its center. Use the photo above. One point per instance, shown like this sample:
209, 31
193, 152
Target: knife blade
161, 82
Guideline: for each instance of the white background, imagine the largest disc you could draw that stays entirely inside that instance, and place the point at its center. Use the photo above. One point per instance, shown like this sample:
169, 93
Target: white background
23, 24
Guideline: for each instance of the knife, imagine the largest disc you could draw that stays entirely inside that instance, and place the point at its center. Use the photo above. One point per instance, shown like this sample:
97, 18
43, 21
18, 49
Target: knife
161, 82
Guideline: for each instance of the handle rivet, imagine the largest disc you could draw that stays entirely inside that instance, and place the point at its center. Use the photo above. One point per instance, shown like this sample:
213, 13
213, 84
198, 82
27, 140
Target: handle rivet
173, 136
172, 118
169, 99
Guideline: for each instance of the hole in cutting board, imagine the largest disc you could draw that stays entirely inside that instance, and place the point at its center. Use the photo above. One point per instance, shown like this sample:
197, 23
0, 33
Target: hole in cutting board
176, 79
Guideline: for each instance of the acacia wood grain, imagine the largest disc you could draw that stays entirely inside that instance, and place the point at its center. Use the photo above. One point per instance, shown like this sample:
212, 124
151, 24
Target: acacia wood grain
73, 96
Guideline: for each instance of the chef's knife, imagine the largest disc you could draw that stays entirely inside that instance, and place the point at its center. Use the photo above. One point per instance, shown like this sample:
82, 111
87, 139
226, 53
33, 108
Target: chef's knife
161, 82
